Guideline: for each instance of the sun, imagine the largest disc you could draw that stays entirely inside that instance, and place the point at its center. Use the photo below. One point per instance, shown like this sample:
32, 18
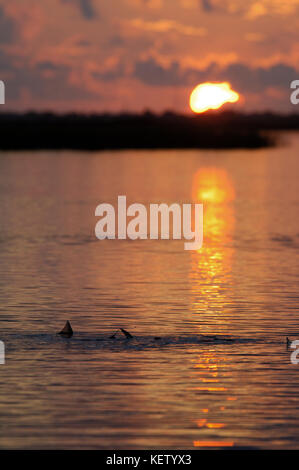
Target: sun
211, 96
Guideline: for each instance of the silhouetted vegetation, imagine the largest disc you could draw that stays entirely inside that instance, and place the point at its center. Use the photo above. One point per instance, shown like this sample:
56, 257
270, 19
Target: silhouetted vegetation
143, 131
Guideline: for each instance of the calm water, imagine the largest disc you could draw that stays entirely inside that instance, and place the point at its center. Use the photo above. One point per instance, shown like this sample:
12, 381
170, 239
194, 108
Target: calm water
221, 375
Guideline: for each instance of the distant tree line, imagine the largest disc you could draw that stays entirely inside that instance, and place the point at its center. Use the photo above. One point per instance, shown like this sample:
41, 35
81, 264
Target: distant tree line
141, 131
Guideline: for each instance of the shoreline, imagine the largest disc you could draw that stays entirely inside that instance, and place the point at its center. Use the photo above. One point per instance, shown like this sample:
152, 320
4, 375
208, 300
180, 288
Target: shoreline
46, 131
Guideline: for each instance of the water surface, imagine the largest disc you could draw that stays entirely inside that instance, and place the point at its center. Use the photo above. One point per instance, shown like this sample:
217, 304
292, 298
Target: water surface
221, 375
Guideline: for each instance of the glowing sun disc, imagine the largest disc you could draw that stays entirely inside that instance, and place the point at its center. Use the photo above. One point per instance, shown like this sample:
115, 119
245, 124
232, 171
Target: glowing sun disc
212, 96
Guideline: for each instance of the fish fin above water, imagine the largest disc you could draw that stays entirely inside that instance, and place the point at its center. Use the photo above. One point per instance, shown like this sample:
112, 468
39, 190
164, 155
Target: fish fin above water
126, 333
66, 330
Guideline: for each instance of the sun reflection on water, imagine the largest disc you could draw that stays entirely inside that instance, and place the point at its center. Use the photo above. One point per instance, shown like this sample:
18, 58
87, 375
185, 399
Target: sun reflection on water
210, 370
212, 264
210, 278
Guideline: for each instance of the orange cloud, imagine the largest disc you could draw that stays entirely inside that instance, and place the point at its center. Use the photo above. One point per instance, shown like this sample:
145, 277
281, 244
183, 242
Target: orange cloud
166, 26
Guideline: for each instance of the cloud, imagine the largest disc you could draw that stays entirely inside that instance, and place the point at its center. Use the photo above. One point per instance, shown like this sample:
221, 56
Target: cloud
166, 26
206, 5
7, 28
152, 73
116, 40
28, 22
248, 79
254, 37
41, 83
153, 3
251, 9
118, 71
149, 4
256, 10
5, 63
242, 77
86, 8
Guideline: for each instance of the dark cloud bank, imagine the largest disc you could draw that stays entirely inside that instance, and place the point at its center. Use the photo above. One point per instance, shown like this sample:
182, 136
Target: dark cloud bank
243, 78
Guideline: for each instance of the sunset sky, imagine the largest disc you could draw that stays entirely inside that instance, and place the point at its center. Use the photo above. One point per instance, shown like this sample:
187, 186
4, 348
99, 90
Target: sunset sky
116, 55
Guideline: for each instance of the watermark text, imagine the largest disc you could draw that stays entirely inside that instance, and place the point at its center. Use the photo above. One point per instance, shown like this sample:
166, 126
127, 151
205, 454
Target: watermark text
154, 225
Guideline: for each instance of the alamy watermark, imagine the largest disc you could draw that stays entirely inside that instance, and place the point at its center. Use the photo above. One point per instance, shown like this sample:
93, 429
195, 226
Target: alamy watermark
2, 353
294, 97
295, 354
146, 225
2, 92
